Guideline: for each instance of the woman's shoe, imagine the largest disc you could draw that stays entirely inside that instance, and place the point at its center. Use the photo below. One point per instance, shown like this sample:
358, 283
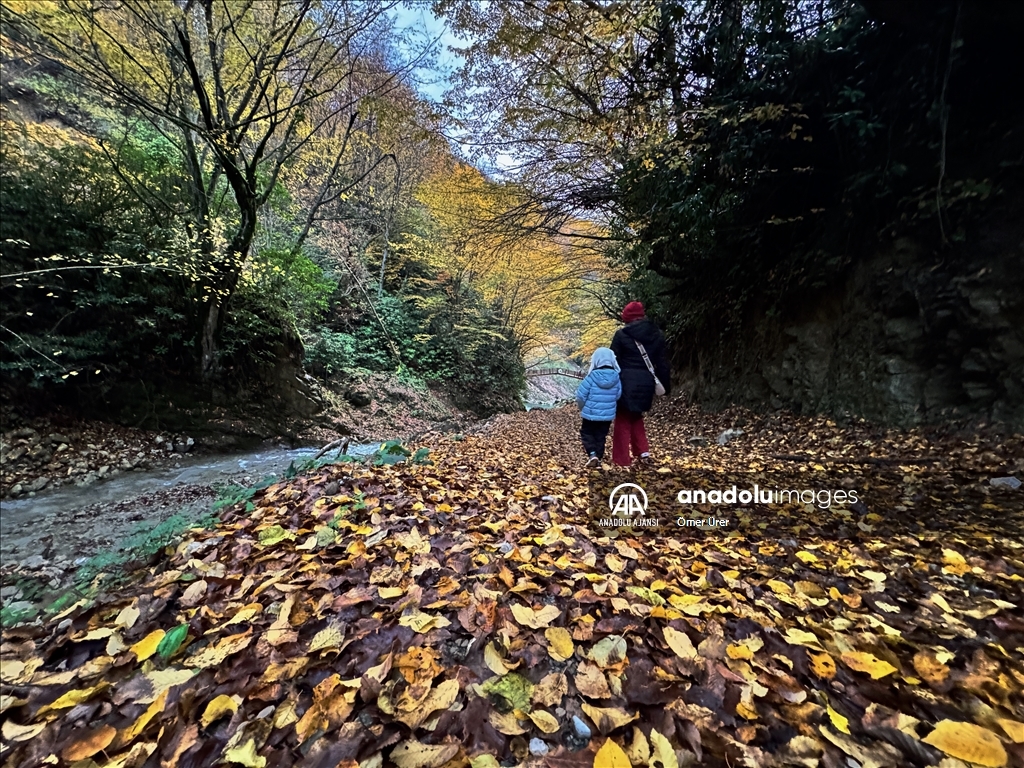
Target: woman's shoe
593, 462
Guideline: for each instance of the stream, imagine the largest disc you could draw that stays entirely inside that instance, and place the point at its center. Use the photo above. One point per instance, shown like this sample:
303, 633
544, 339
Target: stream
59, 529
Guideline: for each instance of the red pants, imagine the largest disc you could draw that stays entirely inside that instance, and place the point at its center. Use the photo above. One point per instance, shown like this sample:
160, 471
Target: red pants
628, 431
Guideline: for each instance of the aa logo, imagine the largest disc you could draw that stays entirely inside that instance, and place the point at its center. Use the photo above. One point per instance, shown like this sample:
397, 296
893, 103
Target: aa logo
627, 500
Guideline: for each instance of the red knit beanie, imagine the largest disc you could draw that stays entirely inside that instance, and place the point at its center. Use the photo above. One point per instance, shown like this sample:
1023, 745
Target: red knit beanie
633, 311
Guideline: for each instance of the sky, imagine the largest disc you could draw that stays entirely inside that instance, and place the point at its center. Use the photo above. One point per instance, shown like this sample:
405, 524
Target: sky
418, 25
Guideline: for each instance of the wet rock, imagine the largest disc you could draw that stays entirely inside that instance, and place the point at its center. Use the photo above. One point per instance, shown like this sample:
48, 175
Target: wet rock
23, 433
58, 439
729, 434
538, 747
1012, 483
17, 489
19, 606
10, 592
33, 563
580, 728
37, 485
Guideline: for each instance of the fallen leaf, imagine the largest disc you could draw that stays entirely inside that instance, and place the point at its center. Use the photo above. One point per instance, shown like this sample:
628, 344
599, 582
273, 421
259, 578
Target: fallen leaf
535, 618
610, 755
218, 707
147, 646
590, 681
91, 743
545, 721
822, 665
560, 645
608, 719
969, 742
662, 751
859, 661
680, 643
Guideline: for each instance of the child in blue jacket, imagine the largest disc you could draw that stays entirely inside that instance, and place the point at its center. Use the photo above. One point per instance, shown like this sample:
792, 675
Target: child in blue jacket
597, 397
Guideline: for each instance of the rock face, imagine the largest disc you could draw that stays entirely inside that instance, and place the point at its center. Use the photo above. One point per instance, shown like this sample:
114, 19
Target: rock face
910, 337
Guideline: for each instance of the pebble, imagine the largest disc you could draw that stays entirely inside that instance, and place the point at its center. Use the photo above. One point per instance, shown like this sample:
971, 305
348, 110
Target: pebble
10, 592
1005, 482
582, 729
538, 747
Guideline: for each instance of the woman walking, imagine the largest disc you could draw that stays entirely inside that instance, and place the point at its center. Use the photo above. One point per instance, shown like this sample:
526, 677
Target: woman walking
640, 350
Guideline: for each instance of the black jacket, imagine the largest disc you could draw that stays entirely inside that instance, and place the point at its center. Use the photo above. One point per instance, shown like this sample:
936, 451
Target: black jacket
637, 382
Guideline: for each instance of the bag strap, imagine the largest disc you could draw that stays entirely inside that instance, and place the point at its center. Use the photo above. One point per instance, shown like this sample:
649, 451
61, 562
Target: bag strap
647, 360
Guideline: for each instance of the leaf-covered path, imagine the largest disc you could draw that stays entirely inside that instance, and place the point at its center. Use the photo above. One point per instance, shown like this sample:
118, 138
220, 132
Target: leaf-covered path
469, 611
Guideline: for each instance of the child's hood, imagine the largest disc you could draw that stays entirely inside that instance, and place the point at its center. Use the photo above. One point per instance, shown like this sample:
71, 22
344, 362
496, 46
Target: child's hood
605, 378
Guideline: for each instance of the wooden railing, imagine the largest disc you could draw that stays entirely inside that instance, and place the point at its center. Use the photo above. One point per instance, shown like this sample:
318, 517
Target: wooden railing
534, 372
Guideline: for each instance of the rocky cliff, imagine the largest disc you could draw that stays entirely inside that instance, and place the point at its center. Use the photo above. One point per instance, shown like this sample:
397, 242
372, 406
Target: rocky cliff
911, 334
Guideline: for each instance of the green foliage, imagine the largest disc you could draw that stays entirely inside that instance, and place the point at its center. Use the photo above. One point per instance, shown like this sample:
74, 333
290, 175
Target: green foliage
391, 452
789, 166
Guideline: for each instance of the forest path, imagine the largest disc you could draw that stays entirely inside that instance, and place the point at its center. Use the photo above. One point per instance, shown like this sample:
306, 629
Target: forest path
429, 614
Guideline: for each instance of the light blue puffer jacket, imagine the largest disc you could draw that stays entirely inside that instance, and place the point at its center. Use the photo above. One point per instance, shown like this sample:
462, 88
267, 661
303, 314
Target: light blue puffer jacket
598, 394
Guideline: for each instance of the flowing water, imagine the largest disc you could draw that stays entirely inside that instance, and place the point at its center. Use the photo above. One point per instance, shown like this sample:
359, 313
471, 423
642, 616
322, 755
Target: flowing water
70, 523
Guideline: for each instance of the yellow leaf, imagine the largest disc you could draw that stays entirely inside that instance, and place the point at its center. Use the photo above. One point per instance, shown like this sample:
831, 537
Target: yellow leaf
780, 587
162, 679
663, 752
860, 661
928, 666
507, 724
331, 636
494, 661
213, 655
127, 617
1013, 729
92, 743
219, 707
969, 742
680, 643
11, 731
639, 752
386, 593
439, 698
954, 563
745, 649
74, 698
800, 637
609, 718
244, 754
822, 665
412, 754
146, 647
610, 755
560, 645
128, 735
535, 619
839, 722
806, 557
421, 623
284, 670
614, 563
545, 721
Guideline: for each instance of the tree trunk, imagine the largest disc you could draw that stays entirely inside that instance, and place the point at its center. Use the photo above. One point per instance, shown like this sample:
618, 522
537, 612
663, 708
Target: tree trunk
208, 339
